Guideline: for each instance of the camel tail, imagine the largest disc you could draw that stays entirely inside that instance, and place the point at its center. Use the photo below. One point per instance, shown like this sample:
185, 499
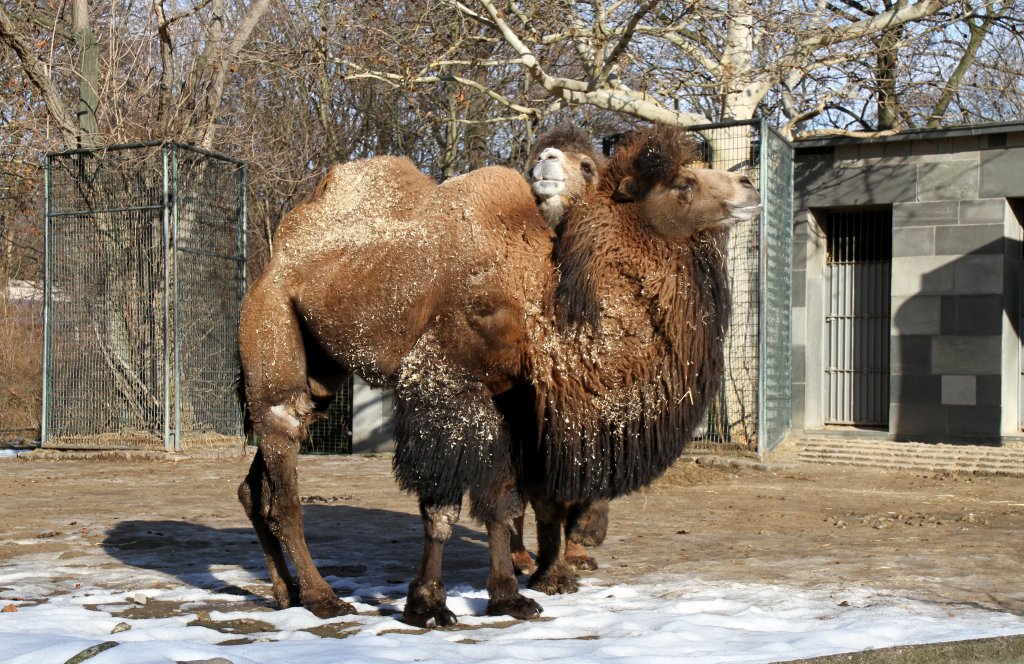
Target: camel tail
239, 386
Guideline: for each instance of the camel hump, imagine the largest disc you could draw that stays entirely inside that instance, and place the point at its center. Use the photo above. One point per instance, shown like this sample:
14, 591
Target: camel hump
494, 196
364, 193
372, 178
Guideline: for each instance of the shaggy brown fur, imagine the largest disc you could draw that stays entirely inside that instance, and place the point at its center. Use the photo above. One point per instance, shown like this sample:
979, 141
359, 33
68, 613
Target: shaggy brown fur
565, 153
447, 295
644, 304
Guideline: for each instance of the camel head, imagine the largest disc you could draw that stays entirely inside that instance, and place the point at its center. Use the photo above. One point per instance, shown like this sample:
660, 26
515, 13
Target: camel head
651, 169
564, 169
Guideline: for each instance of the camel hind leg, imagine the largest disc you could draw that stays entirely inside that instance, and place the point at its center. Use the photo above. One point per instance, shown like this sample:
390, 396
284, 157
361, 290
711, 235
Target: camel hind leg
280, 408
271, 496
252, 493
553, 574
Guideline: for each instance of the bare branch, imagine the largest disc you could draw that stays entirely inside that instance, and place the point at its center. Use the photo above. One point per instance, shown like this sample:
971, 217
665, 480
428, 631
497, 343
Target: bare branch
627, 35
35, 71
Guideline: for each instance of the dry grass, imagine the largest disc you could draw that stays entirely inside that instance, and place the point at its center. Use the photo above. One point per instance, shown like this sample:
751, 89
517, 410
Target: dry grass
21, 370
686, 472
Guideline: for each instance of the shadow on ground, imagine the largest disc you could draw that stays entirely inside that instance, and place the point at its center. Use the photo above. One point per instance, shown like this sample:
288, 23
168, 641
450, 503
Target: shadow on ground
346, 542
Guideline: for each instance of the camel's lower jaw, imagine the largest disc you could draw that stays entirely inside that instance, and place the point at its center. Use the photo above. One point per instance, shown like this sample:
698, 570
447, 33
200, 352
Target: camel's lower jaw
744, 213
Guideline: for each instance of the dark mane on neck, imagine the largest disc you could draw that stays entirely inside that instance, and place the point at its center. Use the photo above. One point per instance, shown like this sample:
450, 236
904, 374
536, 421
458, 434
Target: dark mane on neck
606, 435
593, 451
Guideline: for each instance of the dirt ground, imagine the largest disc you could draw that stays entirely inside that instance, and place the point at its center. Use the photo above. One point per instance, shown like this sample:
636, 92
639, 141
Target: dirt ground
941, 538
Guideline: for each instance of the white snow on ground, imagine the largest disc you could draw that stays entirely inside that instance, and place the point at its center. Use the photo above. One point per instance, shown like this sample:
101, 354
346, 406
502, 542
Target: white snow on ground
660, 618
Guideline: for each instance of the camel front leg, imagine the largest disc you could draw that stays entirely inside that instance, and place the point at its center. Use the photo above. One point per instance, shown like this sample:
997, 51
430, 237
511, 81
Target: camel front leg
425, 605
498, 506
553, 575
277, 518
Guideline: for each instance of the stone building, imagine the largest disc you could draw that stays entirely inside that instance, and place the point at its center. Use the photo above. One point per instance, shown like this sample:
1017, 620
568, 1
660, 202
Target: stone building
907, 285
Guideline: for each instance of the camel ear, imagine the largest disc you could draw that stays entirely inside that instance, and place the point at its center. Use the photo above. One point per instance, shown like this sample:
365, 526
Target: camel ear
628, 190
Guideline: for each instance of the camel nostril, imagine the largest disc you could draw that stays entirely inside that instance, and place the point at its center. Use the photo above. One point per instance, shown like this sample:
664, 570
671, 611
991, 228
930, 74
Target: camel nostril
744, 180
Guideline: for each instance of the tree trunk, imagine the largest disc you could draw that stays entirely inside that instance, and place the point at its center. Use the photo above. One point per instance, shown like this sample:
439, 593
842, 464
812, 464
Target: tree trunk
88, 75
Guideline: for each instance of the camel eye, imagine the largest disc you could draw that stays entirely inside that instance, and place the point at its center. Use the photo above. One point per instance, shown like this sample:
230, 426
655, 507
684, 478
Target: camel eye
587, 169
683, 187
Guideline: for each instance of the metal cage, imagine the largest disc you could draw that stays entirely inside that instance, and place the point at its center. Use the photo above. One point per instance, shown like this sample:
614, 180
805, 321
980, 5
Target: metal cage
145, 272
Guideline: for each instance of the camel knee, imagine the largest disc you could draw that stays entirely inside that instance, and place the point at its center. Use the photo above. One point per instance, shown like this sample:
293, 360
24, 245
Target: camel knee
287, 417
439, 520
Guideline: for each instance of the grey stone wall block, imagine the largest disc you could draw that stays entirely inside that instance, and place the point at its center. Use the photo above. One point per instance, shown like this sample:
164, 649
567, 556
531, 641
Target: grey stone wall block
975, 421
876, 185
960, 390
910, 354
799, 407
964, 355
918, 314
915, 389
799, 322
925, 214
978, 239
948, 181
978, 274
983, 211
917, 419
1001, 174
990, 390
799, 364
913, 241
799, 291
922, 274
974, 315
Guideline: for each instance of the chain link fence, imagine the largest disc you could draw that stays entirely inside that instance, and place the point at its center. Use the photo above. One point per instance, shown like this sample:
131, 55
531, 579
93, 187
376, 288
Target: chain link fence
145, 271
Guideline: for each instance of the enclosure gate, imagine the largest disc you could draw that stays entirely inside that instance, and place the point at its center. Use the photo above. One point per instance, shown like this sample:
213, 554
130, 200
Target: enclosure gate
755, 406
145, 271
859, 261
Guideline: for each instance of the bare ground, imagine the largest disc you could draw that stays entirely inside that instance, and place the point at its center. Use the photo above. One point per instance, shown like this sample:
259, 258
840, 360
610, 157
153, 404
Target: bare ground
941, 538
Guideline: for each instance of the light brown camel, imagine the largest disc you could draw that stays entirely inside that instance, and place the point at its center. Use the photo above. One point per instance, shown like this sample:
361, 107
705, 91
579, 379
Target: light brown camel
457, 298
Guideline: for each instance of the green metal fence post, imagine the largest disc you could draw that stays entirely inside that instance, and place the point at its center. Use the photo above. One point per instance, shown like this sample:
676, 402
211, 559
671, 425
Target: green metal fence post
47, 286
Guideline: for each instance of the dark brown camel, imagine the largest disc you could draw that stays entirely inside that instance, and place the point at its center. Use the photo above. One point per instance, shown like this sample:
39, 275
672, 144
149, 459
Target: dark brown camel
456, 298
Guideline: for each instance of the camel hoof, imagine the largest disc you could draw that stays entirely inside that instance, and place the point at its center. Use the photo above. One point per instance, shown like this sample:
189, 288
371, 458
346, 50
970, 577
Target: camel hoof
286, 596
553, 583
523, 563
519, 607
428, 617
582, 563
329, 608
426, 606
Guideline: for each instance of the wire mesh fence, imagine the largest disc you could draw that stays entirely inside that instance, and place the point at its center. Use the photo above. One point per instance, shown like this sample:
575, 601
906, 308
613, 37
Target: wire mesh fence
145, 259
754, 406
332, 434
